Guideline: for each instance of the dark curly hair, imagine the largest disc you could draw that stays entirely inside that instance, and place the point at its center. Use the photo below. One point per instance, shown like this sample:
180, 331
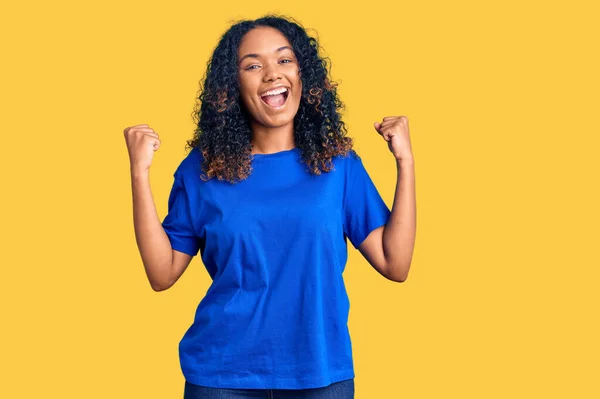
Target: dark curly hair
223, 133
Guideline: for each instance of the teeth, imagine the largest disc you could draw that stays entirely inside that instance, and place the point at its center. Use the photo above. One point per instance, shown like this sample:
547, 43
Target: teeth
274, 92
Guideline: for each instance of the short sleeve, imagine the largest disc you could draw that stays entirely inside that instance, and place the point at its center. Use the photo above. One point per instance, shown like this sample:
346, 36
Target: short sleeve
178, 224
364, 209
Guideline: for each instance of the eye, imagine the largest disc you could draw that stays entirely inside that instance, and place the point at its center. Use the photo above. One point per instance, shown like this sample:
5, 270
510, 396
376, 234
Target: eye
251, 67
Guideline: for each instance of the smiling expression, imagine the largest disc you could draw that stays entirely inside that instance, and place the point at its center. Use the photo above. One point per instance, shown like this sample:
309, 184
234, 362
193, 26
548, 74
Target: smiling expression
267, 65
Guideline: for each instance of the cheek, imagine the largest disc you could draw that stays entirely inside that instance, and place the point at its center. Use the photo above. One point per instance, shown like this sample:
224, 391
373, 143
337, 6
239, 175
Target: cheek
299, 88
298, 93
245, 86
245, 96
297, 83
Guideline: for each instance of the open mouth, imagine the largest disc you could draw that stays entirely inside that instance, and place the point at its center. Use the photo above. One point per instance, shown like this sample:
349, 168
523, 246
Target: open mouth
276, 100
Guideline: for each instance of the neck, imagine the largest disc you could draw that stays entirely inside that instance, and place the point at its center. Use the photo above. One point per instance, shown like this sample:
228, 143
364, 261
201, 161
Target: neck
268, 140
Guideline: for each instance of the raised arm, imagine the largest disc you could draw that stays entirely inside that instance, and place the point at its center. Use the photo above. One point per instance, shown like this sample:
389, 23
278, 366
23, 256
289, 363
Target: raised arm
162, 264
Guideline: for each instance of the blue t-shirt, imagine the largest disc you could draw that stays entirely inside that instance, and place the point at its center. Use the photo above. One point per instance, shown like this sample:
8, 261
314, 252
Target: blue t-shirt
274, 244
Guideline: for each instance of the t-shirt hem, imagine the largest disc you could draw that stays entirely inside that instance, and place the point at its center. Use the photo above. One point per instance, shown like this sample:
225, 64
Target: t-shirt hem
267, 383
369, 230
181, 246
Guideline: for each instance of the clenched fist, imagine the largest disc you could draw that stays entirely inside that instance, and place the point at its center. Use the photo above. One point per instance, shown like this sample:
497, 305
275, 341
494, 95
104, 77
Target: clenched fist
142, 141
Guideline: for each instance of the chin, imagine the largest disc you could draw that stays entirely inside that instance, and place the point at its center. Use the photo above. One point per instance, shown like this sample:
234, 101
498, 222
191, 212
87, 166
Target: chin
277, 122
282, 119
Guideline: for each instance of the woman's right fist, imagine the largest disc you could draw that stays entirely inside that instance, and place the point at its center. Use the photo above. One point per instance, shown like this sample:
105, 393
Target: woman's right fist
141, 141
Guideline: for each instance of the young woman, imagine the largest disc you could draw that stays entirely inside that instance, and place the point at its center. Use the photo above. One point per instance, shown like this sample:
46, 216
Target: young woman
269, 193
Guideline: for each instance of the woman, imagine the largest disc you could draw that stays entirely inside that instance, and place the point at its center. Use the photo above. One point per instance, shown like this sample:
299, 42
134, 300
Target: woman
269, 194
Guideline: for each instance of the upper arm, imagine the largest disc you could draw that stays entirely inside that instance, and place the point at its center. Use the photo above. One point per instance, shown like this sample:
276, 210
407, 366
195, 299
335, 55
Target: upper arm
365, 215
372, 249
180, 263
179, 226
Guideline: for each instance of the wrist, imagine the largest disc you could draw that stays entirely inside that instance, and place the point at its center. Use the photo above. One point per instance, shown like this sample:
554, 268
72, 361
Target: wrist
405, 162
138, 173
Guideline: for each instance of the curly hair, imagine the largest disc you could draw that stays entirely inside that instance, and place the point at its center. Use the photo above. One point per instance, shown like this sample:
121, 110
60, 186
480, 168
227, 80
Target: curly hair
223, 133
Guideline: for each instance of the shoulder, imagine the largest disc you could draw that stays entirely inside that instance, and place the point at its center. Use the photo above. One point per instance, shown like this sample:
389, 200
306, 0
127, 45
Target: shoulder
348, 161
350, 156
191, 164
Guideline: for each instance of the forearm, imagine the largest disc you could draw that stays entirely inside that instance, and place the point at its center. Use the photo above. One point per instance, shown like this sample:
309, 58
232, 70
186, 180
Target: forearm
400, 230
152, 241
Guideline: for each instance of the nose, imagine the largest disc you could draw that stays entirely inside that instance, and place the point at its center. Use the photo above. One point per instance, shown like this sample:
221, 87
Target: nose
271, 73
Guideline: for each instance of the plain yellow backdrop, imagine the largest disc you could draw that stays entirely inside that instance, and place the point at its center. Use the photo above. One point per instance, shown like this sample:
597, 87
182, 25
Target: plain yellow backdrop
502, 102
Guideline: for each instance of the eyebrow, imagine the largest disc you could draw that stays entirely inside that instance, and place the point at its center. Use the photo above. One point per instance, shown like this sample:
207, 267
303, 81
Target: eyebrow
254, 55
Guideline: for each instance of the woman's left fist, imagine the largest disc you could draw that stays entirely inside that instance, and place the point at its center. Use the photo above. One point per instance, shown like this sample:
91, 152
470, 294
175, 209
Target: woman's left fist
394, 130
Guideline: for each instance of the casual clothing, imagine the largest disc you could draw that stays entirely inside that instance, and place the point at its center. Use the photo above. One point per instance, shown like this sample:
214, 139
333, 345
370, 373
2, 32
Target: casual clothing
274, 244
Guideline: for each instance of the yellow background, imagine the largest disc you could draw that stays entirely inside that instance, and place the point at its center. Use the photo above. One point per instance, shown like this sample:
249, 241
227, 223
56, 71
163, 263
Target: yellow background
502, 100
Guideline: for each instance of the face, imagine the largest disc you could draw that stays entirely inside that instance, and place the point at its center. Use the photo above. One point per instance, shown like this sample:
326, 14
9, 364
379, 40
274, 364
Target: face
266, 62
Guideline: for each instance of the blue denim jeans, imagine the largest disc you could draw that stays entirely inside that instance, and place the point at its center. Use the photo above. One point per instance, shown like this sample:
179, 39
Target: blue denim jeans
337, 390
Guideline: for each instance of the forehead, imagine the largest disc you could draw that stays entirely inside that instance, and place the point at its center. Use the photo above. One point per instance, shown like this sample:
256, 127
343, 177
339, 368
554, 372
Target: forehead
262, 41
